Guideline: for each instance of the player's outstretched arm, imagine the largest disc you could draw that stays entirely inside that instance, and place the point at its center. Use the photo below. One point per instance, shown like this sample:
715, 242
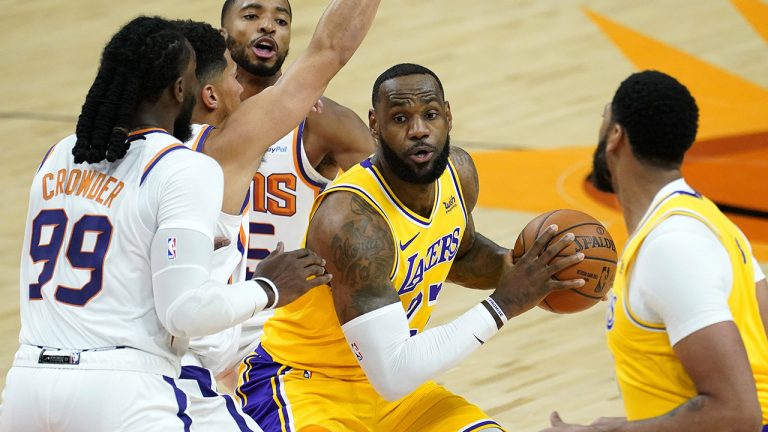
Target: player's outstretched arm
716, 360
266, 117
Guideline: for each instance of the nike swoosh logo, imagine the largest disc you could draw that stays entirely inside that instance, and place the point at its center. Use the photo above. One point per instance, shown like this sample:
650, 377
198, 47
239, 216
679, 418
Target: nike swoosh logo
478, 339
404, 246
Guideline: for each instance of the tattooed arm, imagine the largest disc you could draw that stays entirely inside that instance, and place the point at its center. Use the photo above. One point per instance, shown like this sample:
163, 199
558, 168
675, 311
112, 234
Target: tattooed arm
359, 251
715, 359
479, 262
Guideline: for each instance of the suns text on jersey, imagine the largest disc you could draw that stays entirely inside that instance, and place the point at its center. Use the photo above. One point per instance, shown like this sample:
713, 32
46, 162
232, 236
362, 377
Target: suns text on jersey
89, 184
442, 250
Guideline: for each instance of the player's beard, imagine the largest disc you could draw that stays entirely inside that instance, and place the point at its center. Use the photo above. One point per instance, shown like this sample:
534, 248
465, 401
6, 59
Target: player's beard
240, 56
182, 126
402, 170
601, 175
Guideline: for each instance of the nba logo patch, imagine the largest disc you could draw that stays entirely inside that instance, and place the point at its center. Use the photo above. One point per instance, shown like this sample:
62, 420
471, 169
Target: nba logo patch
171, 248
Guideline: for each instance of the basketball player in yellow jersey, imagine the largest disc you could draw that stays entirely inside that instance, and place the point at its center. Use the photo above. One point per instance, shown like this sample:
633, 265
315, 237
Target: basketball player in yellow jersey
684, 324
355, 356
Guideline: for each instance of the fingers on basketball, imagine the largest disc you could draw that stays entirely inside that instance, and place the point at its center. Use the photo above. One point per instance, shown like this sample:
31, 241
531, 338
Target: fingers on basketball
597, 269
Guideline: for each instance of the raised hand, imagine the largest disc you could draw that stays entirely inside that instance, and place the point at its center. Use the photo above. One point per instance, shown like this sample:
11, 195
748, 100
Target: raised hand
530, 279
291, 272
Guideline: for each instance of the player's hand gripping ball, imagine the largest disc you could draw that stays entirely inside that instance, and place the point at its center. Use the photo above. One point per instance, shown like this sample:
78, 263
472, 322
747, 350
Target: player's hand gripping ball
597, 269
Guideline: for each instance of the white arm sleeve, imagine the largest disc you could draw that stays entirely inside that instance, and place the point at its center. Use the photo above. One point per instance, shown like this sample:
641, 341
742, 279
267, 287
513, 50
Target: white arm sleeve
396, 363
682, 278
188, 303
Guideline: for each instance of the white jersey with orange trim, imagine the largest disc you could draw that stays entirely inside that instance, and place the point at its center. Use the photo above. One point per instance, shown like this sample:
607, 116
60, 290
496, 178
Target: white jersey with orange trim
85, 279
217, 352
283, 192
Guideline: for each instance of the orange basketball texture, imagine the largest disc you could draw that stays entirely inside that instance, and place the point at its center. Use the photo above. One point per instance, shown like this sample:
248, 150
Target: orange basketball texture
598, 268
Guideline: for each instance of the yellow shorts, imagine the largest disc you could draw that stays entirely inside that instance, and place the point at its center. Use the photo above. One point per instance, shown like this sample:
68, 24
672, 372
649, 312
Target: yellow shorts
283, 399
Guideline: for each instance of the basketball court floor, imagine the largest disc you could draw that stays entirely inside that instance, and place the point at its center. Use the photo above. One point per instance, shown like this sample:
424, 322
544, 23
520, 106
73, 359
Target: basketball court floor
527, 81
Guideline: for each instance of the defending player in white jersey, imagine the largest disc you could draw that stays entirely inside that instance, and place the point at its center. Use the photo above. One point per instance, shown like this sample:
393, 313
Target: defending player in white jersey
237, 142
116, 261
298, 166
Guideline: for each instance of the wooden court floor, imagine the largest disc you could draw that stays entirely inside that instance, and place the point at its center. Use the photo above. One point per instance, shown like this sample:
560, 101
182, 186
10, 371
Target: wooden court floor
526, 75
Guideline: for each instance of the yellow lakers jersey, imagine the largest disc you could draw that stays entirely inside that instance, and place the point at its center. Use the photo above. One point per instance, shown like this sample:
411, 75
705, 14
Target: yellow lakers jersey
307, 335
651, 378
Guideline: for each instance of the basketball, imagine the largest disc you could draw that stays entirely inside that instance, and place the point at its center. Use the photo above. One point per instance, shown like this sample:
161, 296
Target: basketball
597, 269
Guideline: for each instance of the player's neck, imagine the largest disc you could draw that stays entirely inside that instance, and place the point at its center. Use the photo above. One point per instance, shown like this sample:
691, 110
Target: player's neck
254, 84
637, 190
154, 115
204, 116
419, 198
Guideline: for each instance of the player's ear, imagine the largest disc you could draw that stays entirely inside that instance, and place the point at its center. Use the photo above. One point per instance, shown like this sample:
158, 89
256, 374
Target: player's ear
178, 89
448, 115
223, 32
616, 135
209, 97
372, 124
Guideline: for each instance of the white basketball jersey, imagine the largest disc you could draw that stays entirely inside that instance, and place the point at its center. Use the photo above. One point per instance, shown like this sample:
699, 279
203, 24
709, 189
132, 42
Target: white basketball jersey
229, 262
86, 280
218, 351
283, 191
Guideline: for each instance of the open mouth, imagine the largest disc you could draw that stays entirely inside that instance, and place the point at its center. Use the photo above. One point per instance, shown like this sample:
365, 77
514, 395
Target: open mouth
422, 155
265, 48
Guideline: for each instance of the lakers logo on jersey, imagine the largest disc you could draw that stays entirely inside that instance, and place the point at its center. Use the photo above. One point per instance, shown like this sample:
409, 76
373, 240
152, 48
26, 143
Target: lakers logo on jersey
443, 250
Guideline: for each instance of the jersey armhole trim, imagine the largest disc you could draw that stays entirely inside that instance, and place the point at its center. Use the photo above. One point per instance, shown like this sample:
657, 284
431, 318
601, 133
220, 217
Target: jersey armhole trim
161, 154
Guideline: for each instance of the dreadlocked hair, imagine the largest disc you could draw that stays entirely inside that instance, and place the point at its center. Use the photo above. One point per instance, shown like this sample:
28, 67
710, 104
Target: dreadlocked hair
140, 61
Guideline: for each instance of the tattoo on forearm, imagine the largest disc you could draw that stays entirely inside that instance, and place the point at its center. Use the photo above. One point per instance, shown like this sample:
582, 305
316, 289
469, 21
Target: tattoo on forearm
695, 404
363, 252
481, 267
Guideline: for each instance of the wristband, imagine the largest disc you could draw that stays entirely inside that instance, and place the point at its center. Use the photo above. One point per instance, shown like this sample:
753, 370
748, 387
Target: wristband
498, 315
271, 287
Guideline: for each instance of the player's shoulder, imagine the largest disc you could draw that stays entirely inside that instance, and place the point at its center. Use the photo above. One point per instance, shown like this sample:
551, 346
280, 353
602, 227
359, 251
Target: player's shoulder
59, 154
63, 146
682, 242
166, 156
467, 173
342, 205
199, 132
681, 227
